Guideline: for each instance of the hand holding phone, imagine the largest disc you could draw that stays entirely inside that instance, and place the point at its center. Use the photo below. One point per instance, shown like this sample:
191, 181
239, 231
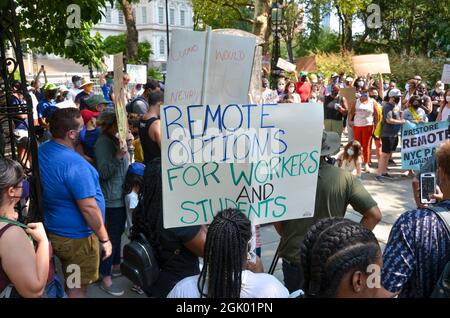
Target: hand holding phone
427, 187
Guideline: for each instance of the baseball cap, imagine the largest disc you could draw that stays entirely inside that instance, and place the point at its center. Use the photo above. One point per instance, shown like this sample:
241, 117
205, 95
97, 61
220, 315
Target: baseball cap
88, 115
331, 142
395, 93
137, 168
62, 89
349, 79
334, 75
50, 87
94, 100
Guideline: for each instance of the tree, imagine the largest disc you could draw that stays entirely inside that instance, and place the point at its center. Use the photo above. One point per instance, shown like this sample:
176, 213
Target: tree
292, 25
118, 43
132, 33
44, 26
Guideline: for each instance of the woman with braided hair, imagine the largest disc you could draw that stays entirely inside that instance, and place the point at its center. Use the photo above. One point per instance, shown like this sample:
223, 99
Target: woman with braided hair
177, 249
335, 258
224, 273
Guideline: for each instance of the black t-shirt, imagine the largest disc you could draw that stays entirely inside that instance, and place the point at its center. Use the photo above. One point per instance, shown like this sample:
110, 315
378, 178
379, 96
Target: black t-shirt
80, 99
149, 147
435, 97
329, 109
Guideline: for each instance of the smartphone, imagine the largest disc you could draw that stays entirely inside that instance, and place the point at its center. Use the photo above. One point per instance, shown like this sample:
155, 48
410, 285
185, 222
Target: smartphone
427, 187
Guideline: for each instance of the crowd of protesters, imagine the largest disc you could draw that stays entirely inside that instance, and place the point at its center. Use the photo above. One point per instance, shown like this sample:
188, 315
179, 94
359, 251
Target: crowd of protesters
96, 187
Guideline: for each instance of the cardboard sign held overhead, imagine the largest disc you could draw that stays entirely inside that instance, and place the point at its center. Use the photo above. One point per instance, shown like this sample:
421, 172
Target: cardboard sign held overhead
285, 65
120, 97
207, 66
307, 63
109, 63
349, 94
372, 63
249, 157
138, 73
446, 74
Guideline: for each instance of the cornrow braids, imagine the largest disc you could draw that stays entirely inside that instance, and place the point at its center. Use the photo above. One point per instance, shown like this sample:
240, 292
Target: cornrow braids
331, 248
225, 255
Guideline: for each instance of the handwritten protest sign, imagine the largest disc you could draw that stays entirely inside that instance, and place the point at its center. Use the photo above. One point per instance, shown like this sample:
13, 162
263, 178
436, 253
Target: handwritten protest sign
307, 63
120, 97
261, 159
138, 73
349, 94
285, 65
109, 63
446, 74
372, 63
419, 141
208, 66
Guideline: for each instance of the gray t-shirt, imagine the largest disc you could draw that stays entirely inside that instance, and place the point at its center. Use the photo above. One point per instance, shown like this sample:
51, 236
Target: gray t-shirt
390, 111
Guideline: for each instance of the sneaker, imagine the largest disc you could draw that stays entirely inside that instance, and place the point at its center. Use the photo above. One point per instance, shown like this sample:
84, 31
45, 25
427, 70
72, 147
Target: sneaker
379, 179
116, 273
137, 290
112, 290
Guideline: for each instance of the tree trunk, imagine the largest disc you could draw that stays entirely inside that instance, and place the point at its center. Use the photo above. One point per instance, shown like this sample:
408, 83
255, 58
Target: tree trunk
132, 33
262, 18
348, 44
290, 50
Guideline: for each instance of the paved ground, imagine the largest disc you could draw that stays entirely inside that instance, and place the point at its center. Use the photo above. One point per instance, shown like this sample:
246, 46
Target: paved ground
393, 197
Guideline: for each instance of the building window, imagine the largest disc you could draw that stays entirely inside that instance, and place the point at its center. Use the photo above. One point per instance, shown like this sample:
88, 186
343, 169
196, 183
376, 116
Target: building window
108, 15
182, 17
161, 15
162, 47
120, 17
144, 15
172, 16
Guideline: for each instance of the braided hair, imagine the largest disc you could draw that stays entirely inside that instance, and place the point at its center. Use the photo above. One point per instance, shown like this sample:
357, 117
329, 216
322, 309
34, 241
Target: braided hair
148, 214
225, 255
332, 248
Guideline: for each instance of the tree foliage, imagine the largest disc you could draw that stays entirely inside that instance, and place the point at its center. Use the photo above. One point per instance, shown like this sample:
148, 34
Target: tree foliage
43, 26
118, 43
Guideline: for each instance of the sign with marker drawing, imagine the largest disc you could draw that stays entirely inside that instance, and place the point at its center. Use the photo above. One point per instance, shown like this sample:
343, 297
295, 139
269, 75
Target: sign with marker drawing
260, 158
207, 66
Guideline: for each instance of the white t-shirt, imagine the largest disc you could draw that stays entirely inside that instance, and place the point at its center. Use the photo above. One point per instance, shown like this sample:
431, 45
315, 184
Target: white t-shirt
445, 113
73, 92
254, 285
364, 113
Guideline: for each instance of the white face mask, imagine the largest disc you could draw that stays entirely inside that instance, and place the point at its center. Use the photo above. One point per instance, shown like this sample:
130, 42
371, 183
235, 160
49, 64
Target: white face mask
350, 152
281, 86
447, 98
438, 90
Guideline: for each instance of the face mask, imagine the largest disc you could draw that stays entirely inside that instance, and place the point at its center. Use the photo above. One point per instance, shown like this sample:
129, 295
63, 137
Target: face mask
291, 90
364, 95
78, 83
360, 83
109, 81
350, 152
386, 87
76, 141
281, 86
438, 90
447, 99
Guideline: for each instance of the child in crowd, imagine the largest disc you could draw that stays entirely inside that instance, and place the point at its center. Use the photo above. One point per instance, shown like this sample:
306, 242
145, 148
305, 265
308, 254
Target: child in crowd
131, 189
138, 154
350, 158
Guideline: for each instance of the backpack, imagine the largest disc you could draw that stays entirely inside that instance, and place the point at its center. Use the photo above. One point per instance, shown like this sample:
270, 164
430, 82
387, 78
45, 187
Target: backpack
139, 262
442, 288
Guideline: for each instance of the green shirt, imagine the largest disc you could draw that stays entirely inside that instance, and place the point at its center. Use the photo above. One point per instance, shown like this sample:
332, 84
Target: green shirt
336, 189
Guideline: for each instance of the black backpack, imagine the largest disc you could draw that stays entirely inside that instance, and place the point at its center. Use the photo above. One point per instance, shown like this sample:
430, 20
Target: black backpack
139, 262
442, 288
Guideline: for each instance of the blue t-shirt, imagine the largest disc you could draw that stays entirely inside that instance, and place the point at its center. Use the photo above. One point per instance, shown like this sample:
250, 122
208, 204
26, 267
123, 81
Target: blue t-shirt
45, 108
67, 177
88, 139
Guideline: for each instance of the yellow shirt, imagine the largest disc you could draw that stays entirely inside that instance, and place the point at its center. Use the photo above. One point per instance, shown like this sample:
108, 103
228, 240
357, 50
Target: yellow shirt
138, 152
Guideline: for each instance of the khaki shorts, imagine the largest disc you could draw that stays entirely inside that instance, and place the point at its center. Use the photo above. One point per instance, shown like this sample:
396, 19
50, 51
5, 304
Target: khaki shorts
83, 252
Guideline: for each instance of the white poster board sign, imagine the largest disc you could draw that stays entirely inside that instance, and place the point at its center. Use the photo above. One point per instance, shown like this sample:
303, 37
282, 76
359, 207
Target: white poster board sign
446, 74
207, 66
371, 63
261, 159
138, 73
285, 65
109, 63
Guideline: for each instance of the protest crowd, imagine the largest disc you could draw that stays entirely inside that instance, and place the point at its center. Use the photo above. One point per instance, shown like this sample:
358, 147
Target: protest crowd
99, 188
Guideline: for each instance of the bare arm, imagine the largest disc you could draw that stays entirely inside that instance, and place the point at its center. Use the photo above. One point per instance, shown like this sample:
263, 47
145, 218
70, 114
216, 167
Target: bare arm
380, 86
93, 216
27, 270
197, 244
371, 217
351, 114
344, 108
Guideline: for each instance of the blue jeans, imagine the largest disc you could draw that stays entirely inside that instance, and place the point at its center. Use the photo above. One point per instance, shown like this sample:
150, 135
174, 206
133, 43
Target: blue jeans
293, 276
115, 225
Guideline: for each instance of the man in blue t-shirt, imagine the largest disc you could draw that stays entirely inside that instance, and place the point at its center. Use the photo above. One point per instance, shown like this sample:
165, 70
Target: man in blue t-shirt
74, 206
